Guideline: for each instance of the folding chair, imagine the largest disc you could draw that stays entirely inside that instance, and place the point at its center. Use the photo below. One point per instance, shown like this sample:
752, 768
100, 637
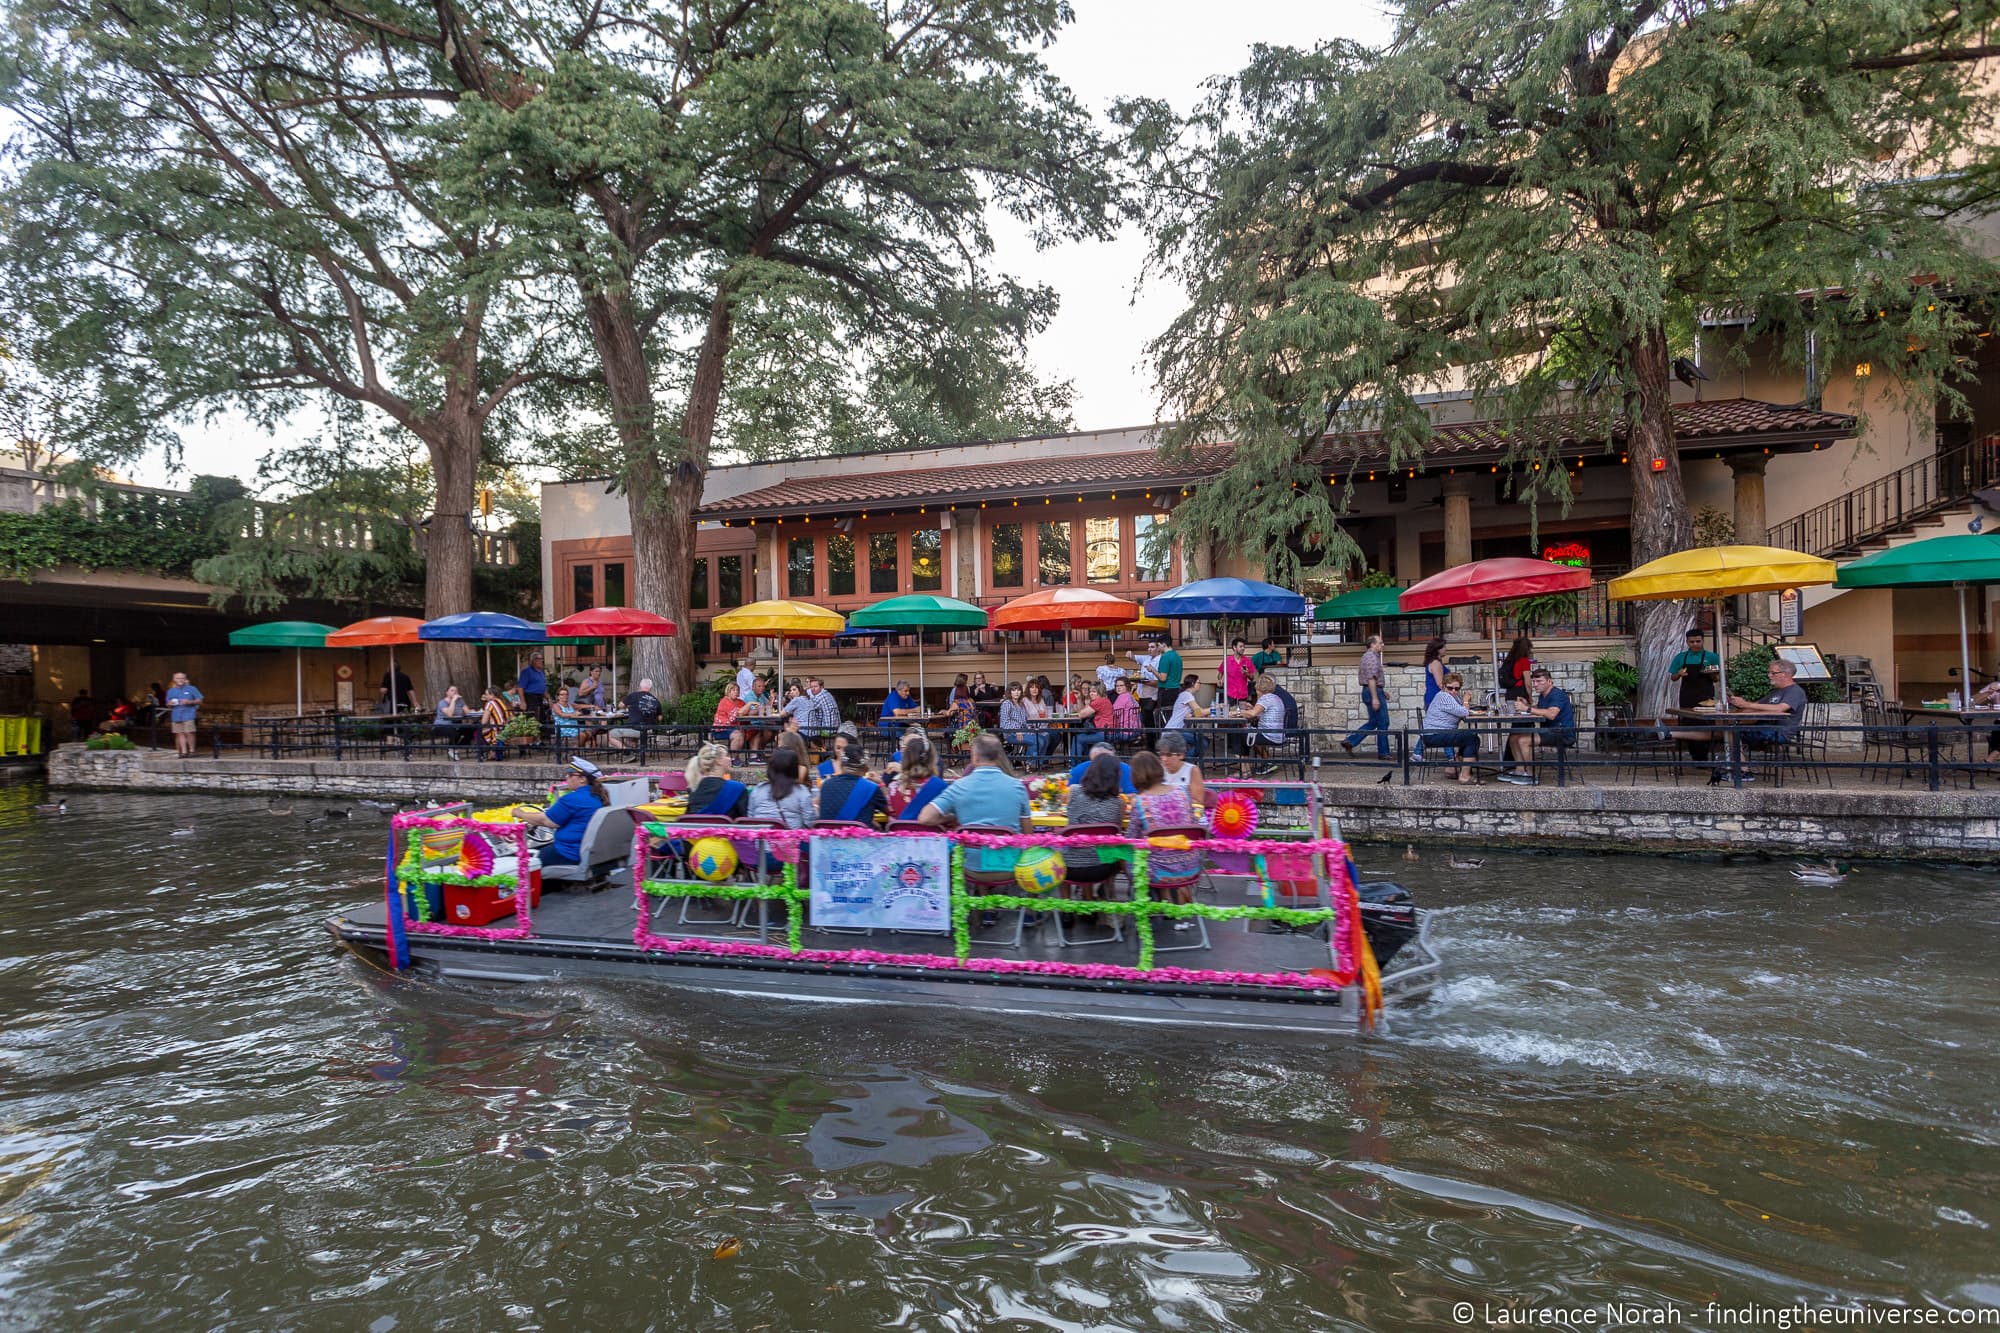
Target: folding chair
994, 881
1091, 886
1155, 883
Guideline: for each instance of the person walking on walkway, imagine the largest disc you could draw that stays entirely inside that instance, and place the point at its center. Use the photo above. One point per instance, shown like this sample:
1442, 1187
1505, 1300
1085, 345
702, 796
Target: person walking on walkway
1374, 698
183, 704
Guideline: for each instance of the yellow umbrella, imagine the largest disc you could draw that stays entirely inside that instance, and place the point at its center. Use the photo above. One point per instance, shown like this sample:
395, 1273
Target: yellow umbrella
780, 620
1147, 622
1715, 572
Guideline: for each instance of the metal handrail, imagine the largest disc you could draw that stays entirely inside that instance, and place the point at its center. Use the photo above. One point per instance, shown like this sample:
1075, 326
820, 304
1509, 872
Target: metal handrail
1893, 503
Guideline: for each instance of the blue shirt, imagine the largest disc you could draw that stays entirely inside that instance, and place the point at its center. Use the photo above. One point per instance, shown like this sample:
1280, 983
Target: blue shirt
182, 699
533, 681
1124, 776
1565, 718
571, 815
897, 699
986, 796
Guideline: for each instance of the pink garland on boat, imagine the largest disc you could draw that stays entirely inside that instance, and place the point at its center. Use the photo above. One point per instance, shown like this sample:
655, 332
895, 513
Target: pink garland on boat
525, 926
1317, 979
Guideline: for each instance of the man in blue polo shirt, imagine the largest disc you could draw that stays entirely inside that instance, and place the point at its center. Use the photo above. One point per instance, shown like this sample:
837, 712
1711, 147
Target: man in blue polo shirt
987, 796
534, 685
899, 704
1124, 769
1558, 726
184, 701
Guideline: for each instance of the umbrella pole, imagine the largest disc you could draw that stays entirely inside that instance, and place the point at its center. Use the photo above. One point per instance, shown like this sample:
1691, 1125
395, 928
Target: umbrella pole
394, 702
1722, 659
489, 666
778, 695
889, 665
920, 666
1964, 652
299, 699
1493, 638
1003, 662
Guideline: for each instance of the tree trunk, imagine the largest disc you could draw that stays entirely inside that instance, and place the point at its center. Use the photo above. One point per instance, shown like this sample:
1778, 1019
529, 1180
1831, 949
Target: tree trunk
454, 454
1661, 524
660, 495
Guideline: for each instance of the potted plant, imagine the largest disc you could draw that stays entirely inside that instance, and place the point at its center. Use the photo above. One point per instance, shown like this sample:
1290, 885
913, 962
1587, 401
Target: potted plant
522, 729
1614, 684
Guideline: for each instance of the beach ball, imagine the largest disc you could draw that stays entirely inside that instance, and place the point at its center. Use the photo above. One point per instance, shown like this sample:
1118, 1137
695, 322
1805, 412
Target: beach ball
1040, 870
712, 859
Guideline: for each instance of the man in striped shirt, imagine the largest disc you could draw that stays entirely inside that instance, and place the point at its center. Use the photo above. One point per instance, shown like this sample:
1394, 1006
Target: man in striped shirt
816, 710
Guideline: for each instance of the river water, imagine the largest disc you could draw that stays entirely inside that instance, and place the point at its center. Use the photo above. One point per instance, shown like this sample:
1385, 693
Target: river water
1653, 1082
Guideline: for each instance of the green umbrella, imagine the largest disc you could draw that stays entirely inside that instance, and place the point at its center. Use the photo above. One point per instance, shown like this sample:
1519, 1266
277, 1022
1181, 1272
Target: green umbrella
1935, 562
919, 611
295, 634
1368, 604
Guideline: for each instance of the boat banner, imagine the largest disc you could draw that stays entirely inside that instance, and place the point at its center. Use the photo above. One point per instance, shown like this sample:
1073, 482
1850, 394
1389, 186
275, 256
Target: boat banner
882, 883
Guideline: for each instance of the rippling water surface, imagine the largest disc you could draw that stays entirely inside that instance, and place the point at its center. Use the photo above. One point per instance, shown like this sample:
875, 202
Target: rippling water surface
1645, 1081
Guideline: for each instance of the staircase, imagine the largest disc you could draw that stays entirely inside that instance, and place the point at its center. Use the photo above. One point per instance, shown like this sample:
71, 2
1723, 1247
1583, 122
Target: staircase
1879, 513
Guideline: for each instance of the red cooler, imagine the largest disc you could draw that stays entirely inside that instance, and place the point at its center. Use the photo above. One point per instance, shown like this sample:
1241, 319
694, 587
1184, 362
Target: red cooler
465, 905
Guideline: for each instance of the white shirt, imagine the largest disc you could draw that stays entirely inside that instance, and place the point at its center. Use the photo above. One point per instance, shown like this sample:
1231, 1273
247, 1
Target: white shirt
1109, 676
1179, 778
1149, 675
746, 682
1183, 706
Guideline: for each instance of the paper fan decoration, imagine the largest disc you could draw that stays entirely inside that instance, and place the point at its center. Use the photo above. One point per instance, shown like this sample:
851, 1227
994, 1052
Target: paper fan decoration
475, 856
1234, 816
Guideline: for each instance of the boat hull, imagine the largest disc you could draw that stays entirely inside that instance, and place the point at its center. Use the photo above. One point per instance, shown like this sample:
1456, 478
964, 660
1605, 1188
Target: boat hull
1262, 1009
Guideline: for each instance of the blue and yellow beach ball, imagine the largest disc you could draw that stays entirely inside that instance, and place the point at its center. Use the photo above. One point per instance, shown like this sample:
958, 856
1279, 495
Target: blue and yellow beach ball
712, 859
1039, 870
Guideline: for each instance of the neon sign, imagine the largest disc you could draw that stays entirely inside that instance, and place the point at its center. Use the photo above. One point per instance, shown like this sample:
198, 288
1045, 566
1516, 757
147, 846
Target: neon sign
1568, 553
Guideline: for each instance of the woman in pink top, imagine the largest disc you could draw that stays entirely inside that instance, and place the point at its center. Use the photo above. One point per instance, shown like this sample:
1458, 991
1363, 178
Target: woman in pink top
1124, 712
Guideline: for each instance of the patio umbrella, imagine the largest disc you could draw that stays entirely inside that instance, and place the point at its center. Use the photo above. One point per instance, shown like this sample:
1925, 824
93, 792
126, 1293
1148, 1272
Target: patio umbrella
1935, 562
614, 622
1225, 597
298, 635
853, 635
780, 620
1065, 609
1712, 573
377, 632
919, 611
1500, 579
1368, 604
482, 627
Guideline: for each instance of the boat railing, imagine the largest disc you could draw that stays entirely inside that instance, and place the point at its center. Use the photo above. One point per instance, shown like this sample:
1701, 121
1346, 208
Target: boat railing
931, 865
428, 850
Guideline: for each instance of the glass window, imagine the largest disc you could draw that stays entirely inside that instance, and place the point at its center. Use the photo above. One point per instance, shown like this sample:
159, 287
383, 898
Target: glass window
729, 645
799, 567
614, 584
1006, 539
728, 581
1052, 552
701, 638
882, 572
1103, 555
698, 589
927, 560
840, 565
582, 587
1152, 548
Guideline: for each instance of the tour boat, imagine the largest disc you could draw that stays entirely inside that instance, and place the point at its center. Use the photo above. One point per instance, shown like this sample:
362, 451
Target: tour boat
1277, 935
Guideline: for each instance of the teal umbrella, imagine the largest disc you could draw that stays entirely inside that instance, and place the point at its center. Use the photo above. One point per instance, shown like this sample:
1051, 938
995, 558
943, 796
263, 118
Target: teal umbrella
1368, 604
919, 611
298, 635
1936, 562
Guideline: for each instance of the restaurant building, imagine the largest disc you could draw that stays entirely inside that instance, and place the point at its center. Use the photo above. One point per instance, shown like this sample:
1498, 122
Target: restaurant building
989, 521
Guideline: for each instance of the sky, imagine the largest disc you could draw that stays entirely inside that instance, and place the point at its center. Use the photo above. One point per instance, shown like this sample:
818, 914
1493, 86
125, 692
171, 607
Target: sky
1116, 48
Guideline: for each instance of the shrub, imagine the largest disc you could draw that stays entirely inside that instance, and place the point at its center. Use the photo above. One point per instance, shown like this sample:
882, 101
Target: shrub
696, 708
522, 727
1748, 677
1614, 680
110, 740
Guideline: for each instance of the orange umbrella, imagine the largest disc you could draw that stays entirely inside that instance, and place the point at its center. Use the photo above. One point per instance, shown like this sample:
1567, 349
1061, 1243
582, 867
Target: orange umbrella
376, 632
1065, 609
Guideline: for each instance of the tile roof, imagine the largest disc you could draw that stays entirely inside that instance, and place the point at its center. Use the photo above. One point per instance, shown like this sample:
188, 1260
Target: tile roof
1729, 422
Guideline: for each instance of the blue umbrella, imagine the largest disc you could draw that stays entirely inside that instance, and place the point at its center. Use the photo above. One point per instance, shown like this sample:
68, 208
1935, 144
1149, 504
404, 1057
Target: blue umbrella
853, 634
485, 627
1225, 597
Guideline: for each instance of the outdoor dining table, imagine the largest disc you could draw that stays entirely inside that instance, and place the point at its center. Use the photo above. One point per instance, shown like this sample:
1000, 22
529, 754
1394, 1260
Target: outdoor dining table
1732, 724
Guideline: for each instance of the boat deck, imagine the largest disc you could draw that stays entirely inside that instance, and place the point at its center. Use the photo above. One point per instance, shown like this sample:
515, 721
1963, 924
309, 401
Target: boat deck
605, 917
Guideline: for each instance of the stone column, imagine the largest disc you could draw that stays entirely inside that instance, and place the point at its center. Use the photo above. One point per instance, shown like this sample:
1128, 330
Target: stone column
1198, 633
1458, 543
965, 539
767, 575
1748, 473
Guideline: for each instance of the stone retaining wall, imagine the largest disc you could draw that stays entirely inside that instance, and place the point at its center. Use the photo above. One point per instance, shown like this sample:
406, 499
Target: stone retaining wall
1962, 826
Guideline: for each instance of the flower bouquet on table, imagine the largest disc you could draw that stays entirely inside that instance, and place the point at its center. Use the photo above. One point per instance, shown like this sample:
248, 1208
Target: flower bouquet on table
1050, 794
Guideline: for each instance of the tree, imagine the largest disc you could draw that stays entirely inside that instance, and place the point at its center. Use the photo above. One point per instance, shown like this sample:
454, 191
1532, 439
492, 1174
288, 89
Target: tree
230, 206
1508, 194
808, 175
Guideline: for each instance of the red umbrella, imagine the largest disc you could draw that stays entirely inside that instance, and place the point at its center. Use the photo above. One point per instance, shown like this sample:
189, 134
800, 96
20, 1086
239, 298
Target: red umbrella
613, 622
1501, 579
1065, 609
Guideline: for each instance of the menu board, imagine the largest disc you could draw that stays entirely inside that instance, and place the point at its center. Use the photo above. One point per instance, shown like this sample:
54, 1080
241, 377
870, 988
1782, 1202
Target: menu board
1806, 662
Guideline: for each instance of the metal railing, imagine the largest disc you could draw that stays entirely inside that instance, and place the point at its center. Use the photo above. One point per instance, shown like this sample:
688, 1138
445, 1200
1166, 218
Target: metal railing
1928, 755
1890, 504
